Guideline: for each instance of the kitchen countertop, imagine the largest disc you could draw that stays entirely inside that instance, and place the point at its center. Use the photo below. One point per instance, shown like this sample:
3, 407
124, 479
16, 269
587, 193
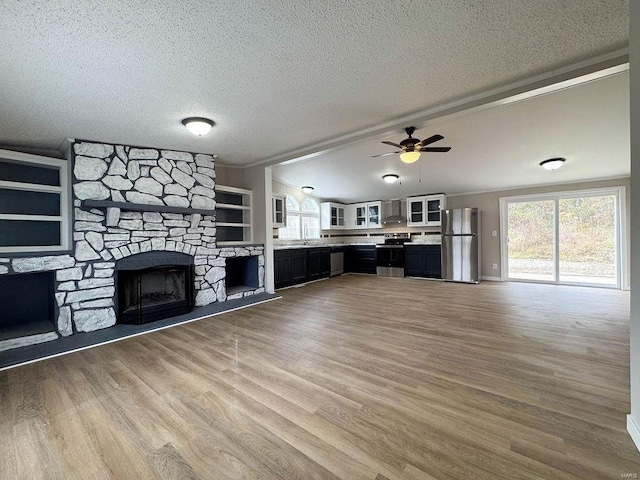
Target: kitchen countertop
372, 244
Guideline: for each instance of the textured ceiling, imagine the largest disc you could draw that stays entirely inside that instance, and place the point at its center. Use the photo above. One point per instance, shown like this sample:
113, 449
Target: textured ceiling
275, 75
492, 149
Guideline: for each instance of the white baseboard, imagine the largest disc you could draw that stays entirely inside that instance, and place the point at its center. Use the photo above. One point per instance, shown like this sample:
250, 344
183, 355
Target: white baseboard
634, 431
492, 279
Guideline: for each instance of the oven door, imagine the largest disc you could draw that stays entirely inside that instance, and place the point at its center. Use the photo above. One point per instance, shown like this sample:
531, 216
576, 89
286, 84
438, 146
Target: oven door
390, 261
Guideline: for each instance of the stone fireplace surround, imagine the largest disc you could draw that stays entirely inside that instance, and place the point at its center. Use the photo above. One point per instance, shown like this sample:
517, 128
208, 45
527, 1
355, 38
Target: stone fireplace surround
126, 201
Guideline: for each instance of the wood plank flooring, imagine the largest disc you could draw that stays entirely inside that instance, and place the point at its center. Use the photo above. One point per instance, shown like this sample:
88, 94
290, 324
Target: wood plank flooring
356, 377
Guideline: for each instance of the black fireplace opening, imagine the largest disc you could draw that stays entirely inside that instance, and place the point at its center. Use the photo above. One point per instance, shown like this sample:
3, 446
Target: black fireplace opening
241, 274
154, 293
28, 304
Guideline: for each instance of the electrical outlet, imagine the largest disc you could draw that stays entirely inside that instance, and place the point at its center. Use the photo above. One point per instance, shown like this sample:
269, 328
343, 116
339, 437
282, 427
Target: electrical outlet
494, 233
495, 266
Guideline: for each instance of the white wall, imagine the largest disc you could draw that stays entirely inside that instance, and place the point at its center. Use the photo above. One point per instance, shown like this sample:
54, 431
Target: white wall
634, 50
230, 176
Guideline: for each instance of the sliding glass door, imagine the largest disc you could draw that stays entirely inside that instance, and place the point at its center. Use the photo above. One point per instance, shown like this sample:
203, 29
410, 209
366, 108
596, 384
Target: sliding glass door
531, 239
571, 238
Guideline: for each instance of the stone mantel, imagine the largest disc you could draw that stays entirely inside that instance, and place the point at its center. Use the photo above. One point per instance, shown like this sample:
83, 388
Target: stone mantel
143, 207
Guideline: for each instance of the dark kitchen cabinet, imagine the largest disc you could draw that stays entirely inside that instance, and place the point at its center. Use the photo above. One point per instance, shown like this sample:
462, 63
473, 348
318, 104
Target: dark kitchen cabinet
319, 263
360, 259
298, 265
282, 268
422, 261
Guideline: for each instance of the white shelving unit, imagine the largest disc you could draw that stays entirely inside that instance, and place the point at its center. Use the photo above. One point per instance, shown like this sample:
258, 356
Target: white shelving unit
233, 216
35, 203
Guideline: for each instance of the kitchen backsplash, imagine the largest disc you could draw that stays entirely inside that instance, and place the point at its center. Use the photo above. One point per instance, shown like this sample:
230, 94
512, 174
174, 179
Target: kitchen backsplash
372, 235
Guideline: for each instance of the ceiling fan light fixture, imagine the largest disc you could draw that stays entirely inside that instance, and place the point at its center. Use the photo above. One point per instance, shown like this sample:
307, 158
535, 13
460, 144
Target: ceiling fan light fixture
552, 163
198, 125
409, 157
307, 189
390, 178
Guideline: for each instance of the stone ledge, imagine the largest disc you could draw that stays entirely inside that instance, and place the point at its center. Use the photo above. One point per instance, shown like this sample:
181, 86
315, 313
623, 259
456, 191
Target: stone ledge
143, 207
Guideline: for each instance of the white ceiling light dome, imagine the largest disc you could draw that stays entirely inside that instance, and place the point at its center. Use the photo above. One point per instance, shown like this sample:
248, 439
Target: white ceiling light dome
552, 163
390, 178
409, 157
198, 125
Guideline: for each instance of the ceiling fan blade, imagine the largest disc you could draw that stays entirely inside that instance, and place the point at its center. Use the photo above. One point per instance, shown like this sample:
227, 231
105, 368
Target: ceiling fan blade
384, 154
430, 140
393, 144
435, 149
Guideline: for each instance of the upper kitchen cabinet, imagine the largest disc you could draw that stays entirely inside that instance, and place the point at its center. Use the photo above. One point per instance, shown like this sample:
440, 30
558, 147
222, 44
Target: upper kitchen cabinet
278, 211
424, 211
364, 215
332, 216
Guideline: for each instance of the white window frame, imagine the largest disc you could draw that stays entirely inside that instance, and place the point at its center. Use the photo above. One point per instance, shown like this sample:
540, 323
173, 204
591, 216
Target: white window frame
297, 212
621, 232
64, 219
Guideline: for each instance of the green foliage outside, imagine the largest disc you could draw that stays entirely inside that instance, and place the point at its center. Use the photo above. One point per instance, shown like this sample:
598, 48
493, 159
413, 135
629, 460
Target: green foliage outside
586, 229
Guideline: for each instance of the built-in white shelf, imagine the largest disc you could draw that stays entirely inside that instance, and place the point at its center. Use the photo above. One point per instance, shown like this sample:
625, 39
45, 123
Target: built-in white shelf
233, 216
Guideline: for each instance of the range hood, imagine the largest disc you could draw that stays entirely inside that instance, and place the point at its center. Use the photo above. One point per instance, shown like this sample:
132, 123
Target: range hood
396, 217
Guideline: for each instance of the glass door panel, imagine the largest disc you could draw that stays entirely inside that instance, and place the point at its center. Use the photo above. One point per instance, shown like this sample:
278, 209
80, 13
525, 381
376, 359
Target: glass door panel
374, 215
334, 216
587, 240
278, 210
361, 216
433, 210
530, 237
416, 211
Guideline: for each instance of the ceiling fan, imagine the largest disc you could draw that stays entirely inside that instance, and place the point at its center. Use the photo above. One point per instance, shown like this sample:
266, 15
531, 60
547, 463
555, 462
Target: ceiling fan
410, 148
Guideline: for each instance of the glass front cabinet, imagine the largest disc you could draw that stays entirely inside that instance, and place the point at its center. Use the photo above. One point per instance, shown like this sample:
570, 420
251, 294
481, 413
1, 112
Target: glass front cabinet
424, 211
278, 211
364, 215
332, 216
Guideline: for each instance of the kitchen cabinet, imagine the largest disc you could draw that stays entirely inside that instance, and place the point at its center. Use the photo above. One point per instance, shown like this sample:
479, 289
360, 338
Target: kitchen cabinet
319, 263
293, 266
424, 211
332, 216
282, 268
299, 265
364, 215
278, 211
360, 259
422, 261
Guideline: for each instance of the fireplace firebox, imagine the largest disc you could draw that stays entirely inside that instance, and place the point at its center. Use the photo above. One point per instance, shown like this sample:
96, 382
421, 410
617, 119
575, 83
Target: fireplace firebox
154, 286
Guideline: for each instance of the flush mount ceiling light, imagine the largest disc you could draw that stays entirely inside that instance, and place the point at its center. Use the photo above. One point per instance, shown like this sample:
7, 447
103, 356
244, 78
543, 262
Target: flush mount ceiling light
390, 178
409, 157
198, 125
552, 163
307, 189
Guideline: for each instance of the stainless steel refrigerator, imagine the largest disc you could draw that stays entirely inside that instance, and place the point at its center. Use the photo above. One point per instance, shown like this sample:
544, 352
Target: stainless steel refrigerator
461, 245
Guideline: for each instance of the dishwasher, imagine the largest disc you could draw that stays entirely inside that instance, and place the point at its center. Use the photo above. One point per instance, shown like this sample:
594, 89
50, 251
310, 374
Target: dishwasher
337, 261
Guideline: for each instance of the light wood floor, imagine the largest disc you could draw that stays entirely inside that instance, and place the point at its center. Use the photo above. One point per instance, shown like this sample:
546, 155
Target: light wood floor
357, 377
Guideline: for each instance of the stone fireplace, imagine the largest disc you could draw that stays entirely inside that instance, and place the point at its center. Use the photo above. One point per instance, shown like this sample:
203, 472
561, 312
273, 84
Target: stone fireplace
134, 210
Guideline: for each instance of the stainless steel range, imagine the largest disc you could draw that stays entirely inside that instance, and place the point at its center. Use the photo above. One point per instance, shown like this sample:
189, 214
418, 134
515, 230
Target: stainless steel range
390, 255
